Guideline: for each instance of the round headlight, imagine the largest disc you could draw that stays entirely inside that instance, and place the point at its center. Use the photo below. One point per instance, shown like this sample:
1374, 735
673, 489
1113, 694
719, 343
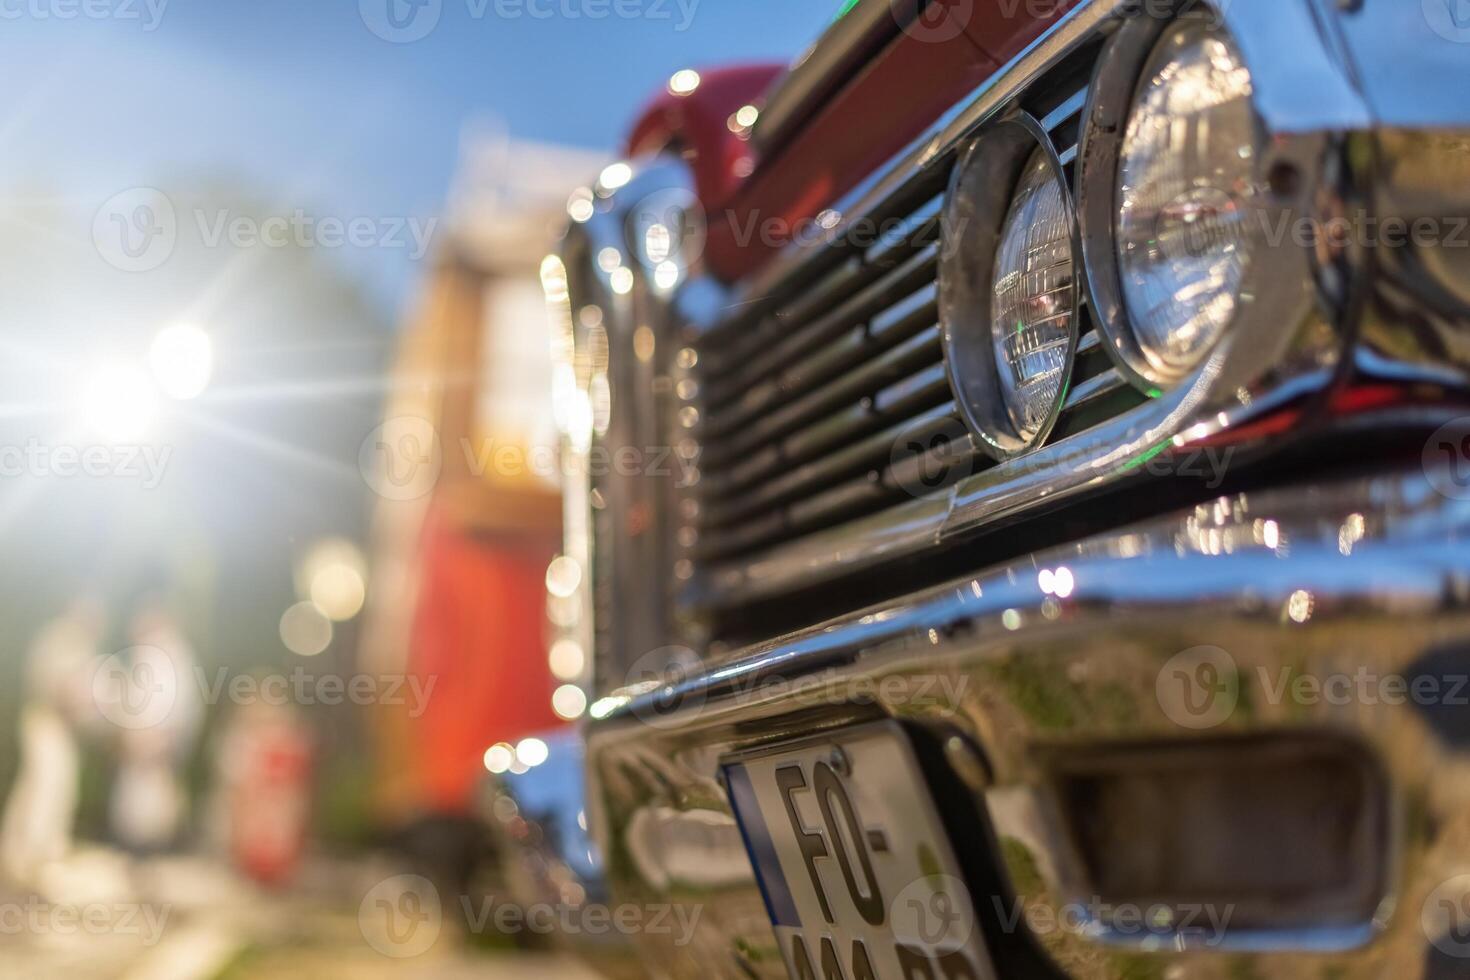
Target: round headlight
1184, 199
1031, 299
1008, 285
1172, 208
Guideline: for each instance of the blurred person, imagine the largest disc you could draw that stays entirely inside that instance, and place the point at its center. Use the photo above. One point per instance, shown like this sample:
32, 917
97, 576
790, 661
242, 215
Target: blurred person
262, 774
149, 802
40, 813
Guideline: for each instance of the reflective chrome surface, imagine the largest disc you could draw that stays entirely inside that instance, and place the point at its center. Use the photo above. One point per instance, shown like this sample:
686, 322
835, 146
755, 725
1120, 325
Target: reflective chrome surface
1290, 346
540, 821
635, 461
1370, 574
842, 48
975, 208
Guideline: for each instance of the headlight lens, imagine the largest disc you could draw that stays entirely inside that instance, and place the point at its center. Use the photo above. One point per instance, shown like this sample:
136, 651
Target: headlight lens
1031, 297
1185, 197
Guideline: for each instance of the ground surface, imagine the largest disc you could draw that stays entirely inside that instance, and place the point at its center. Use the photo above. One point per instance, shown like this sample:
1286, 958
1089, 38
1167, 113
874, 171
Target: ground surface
104, 918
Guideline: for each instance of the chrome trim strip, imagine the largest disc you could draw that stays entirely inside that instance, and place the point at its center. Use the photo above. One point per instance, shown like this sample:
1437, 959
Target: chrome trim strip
842, 48
1094, 387
1107, 454
944, 137
639, 330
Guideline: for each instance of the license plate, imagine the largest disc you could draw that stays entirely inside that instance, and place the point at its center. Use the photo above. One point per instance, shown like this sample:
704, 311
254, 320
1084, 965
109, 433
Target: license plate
852, 859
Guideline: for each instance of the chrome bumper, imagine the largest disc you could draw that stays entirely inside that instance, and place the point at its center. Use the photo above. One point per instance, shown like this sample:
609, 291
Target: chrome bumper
1062, 652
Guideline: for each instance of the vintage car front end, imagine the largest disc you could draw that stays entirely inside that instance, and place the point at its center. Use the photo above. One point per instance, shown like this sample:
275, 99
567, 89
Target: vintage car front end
1040, 551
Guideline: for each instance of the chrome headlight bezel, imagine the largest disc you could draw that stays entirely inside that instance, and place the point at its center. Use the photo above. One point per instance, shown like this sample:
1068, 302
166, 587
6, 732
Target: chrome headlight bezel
981, 192
1112, 99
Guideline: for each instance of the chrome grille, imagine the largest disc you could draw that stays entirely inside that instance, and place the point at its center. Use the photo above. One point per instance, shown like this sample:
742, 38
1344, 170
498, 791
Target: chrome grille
805, 401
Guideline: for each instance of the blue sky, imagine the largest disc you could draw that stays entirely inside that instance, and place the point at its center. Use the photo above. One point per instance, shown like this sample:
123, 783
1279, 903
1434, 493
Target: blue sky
299, 101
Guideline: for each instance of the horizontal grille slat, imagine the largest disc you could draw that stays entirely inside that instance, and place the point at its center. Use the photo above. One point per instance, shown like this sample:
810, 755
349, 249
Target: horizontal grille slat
889, 367
802, 415
863, 455
764, 360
